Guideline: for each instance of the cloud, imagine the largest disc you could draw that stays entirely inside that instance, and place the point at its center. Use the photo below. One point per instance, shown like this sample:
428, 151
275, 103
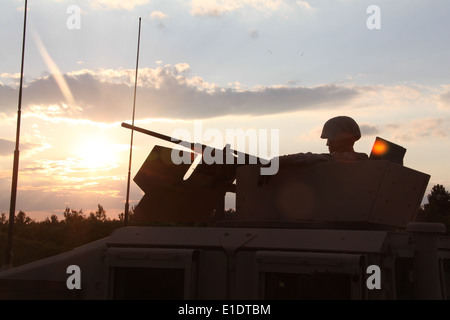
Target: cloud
369, 130
11, 76
170, 92
9, 97
48, 184
6, 147
159, 17
48, 195
117, 4
419, 129
444, 100
305, 5
63, 168
173, 92
217, 8
393, 96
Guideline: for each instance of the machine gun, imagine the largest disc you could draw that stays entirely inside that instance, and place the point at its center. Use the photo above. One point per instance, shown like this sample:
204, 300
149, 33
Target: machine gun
170, 197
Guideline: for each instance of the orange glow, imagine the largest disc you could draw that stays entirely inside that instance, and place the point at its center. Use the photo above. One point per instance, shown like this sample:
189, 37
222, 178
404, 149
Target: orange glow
96, 153
380, 148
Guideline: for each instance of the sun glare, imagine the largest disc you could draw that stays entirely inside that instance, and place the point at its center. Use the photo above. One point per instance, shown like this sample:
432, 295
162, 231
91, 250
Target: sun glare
97, 154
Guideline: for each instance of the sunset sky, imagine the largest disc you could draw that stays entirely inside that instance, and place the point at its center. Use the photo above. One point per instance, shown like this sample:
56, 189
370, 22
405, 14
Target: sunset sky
286, 65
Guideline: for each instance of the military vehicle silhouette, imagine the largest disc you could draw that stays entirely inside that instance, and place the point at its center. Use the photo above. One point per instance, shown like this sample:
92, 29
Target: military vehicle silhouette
328, 230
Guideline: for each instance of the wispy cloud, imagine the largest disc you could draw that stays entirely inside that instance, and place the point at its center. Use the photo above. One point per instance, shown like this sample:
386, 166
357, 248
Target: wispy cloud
9, 95
305, 5
160, 18
117, 4
444, 98
369, 129
158, 15
10, 78
217, 8
420, 129
68, 179
7, 147
65, 167
50, 191
393, 96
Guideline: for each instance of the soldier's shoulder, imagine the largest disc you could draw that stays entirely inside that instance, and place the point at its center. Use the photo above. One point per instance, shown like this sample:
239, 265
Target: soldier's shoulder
349, 156
304, 158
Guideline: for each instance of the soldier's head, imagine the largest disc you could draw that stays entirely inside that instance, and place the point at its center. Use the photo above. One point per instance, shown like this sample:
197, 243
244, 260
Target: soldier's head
341, 133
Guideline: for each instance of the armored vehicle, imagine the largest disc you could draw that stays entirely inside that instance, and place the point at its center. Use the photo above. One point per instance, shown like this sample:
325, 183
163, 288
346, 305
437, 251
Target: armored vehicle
328, 230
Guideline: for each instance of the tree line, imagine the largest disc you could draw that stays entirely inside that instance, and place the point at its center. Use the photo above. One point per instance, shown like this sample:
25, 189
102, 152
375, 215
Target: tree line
438, 207
37, 240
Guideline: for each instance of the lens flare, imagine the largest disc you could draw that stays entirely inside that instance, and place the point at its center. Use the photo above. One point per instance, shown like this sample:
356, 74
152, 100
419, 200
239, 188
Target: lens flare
59, 78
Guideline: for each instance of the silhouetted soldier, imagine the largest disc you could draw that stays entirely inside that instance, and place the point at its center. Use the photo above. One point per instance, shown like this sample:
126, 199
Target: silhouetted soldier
341, 133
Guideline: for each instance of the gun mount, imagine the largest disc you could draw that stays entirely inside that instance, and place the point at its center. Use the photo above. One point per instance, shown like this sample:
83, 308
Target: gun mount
169, 197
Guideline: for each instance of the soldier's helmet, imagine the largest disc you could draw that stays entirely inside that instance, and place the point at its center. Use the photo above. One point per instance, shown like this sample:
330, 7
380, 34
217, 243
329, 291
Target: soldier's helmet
341, 127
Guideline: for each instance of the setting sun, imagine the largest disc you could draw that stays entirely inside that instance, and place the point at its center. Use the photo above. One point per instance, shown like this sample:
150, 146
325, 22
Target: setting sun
97, 153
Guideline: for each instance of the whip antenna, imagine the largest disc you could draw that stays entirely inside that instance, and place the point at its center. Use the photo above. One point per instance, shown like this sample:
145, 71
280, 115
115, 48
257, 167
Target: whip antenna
127, 204
15, 176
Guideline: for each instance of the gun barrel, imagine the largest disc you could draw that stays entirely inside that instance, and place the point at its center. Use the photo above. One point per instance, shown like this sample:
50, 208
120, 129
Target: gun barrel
193, 146
196, 147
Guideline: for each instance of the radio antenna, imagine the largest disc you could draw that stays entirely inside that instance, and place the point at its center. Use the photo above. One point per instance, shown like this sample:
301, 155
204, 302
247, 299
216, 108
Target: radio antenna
15, 176
127, 203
